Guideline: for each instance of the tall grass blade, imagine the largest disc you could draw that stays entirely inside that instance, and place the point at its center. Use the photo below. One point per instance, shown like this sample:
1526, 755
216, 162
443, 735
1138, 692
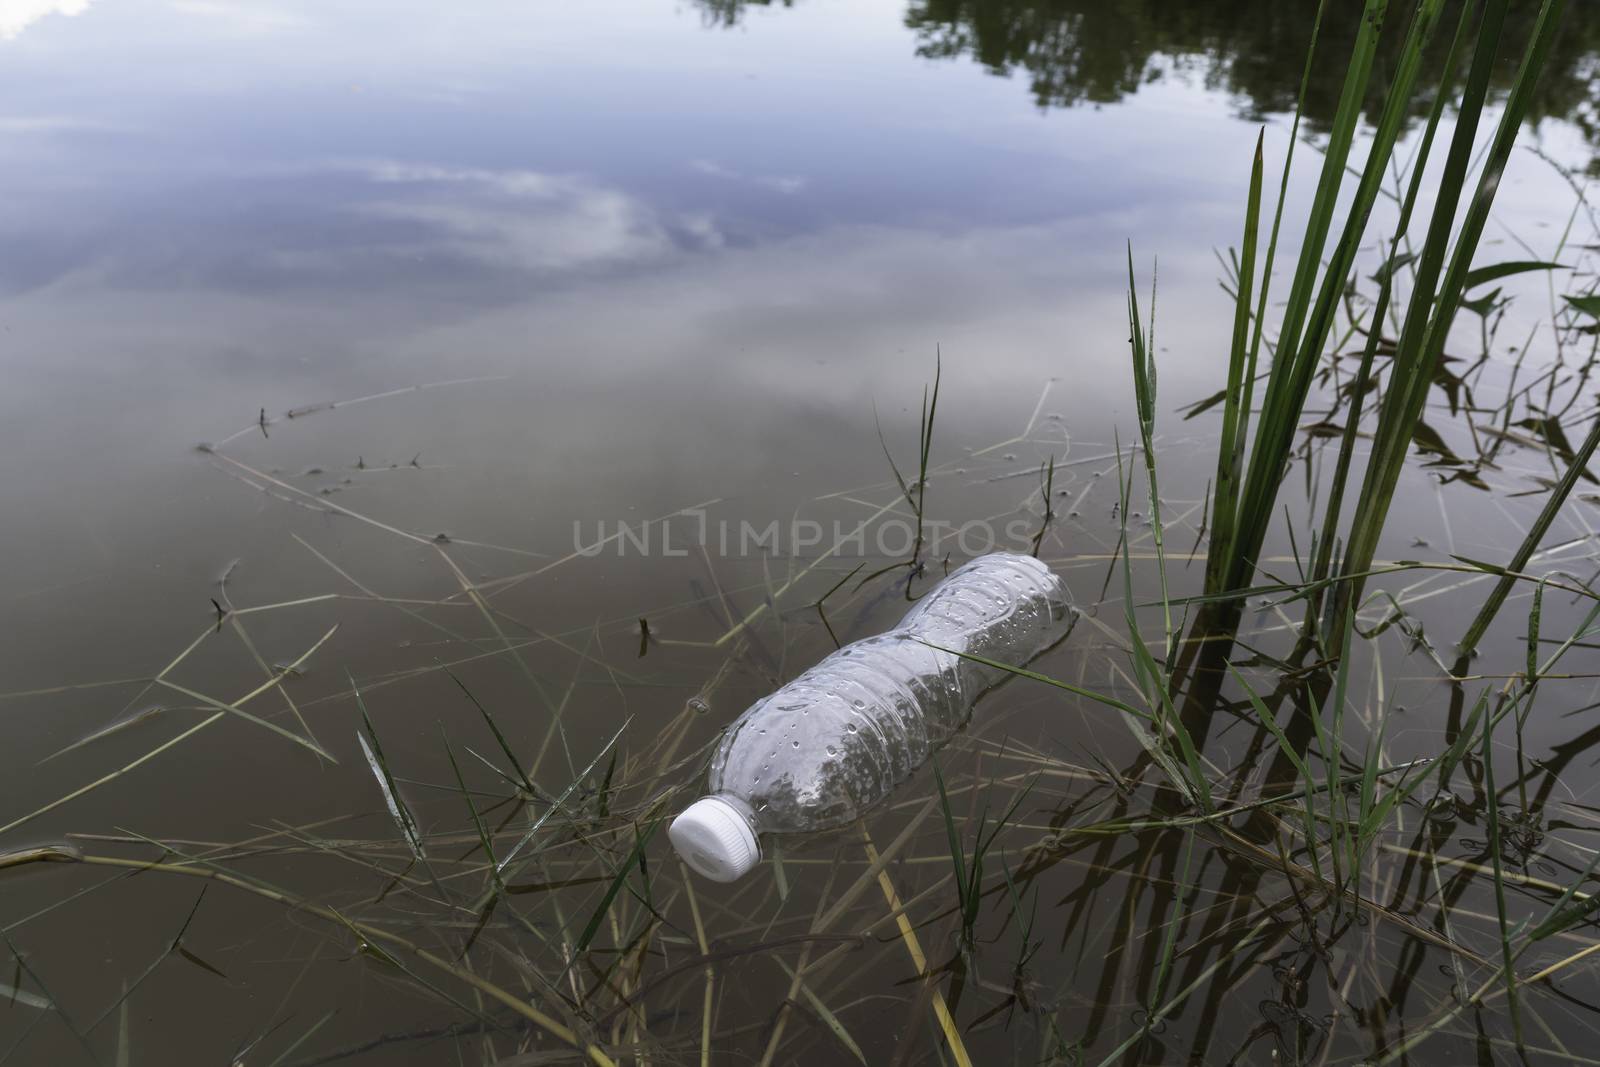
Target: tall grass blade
1429, 316
1380, 311
1290, 377
1236, 406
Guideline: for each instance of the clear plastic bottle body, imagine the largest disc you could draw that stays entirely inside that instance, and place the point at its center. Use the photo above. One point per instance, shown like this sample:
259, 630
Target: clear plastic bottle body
837, 739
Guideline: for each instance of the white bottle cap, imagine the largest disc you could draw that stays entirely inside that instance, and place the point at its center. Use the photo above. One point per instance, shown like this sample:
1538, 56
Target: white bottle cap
716, 839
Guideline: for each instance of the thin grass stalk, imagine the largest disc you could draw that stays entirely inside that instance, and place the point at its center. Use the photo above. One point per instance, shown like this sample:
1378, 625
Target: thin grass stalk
1561, 914
1530, 544
368, 933
930, 406
1243, 944
289, 1050
953, 838
494, 728
709, 998
177, 739
23, 968
823, 1012
1144, 389
1343, 855
919, 960
1158, 987
1154, 680
1492, 818
1045, 491
1308, 810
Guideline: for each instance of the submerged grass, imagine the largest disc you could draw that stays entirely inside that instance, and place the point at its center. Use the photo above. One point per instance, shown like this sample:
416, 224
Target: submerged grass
1205, 873
518, 911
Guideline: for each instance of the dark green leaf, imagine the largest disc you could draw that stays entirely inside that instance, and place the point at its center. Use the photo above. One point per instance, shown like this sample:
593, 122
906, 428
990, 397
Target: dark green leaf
1589, 305
1479, 275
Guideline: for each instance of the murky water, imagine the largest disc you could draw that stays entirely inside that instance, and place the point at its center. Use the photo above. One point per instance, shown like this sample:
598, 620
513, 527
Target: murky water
443, 340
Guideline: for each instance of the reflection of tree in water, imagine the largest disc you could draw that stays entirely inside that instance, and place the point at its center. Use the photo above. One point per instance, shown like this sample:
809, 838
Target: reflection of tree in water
1088, 51
729, 12
1100, 51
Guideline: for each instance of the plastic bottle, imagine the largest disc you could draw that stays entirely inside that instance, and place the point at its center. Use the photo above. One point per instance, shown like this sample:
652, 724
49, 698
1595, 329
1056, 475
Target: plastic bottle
837, 739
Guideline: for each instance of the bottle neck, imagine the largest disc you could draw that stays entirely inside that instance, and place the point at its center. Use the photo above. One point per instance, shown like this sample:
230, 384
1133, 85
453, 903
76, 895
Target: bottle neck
740, 806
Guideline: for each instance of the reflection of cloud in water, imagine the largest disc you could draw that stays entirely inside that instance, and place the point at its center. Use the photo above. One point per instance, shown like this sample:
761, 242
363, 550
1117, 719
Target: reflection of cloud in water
241, 19
353, 227
45, 124
847, 313
530, 220
18, 15
777, 183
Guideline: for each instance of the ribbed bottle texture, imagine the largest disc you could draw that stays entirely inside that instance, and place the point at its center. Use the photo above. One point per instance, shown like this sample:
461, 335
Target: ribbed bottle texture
841, 736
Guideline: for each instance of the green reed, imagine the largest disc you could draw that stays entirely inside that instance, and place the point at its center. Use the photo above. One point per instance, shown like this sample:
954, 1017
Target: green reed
1244, 495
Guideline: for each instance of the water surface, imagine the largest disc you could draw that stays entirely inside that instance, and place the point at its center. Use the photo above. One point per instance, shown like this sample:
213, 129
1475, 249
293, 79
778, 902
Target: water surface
380, 317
